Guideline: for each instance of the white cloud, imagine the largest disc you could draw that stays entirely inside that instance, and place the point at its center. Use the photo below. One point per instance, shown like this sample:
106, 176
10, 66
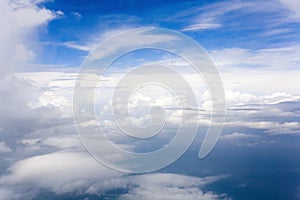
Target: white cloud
76, 14
65, 142
60, 172
243, 70
82, 47
238, 136
32, 16
79, 173
171, 186
269, 58
244, 98
159, 186
271, 127
123, 42
146, 38
4, 148
211, 16
228, 14
60, 13
94, 40
277, 31
202, 26
293, 6
18, 20
23, 53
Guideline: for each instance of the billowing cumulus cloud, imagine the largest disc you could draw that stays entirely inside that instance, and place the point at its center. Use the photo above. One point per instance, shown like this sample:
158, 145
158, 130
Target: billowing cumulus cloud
18, 20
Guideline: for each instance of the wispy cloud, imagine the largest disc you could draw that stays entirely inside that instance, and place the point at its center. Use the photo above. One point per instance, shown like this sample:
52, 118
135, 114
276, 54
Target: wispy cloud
201, 26
294, 7
81, 47
212, 16
286, 57
277, 31
238, 136
233, 14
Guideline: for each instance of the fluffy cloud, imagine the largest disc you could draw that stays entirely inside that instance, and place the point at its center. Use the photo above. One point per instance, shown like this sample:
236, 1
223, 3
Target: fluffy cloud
171, 186
244, 99
17, 20
77, 172
18, 116
60, 172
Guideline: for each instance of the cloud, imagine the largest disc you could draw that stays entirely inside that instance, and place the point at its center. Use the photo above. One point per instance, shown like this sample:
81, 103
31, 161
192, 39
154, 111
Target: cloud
277, 32
76, 14
238, 136
49, 156
31, 16
170, 186
255, 103
4, 148
201, 26
18, 20
60, 13
93, 41
23, 53
269, 58
159, 186
271, 127
19, 110
234, 14
63, 142
36, 112
6, 194
293, 6
81, 47
78, 173
60, 172
211, 16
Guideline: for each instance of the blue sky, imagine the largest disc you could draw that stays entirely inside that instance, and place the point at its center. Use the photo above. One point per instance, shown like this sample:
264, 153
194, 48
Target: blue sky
254, 45
214, 24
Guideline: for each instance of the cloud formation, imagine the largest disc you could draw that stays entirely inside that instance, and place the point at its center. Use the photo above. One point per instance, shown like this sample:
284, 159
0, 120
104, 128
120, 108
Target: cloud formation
18, 20
171, 186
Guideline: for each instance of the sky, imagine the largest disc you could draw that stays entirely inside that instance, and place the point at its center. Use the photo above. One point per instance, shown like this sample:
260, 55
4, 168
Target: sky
254, 46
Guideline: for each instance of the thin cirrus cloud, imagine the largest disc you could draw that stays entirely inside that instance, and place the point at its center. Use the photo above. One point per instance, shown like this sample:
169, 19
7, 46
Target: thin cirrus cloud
211, 16
202, 26
226, 15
